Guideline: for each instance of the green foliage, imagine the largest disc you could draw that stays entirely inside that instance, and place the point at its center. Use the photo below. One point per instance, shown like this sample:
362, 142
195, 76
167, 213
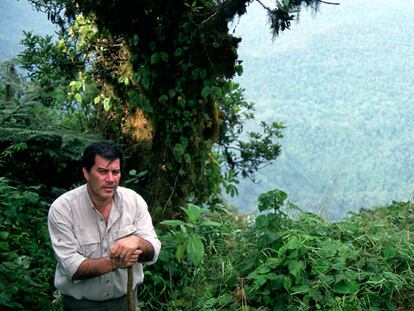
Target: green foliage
244, 153
190, 244
335, 266
32, 139
26, 258
51, 66
182, 281
275, 262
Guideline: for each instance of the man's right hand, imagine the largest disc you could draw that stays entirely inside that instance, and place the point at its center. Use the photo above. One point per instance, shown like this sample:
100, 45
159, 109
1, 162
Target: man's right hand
119, 262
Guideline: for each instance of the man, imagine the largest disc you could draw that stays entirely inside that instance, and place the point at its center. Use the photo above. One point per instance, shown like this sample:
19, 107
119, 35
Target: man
98, 230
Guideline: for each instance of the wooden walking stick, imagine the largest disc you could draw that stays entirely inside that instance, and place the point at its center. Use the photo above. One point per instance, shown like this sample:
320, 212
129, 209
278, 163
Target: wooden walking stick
130, 290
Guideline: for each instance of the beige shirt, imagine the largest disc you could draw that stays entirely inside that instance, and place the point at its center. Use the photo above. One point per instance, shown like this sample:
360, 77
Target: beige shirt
78, 231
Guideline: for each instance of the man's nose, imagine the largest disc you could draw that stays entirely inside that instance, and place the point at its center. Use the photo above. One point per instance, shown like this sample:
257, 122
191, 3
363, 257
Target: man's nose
110, 177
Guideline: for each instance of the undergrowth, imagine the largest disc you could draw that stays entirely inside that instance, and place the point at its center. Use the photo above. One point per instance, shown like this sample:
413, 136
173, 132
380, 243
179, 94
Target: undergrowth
275, 262
220, 260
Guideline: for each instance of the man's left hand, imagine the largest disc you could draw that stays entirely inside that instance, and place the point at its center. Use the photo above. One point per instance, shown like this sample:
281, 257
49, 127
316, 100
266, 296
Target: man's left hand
123, 249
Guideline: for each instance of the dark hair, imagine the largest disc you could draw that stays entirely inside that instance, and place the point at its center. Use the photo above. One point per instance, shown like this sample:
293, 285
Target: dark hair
105, 149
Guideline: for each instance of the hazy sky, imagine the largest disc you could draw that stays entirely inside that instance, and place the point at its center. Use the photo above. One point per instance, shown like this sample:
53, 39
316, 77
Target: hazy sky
16, 16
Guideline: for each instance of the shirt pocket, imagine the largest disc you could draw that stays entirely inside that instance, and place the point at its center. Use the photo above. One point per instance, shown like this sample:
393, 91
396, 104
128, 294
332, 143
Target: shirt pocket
89, 245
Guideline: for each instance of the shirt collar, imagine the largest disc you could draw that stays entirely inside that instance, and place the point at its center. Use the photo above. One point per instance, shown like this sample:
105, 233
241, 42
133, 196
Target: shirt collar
116, 199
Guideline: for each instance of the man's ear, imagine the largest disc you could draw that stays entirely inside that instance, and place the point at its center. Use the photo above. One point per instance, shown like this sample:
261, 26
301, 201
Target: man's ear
85, 173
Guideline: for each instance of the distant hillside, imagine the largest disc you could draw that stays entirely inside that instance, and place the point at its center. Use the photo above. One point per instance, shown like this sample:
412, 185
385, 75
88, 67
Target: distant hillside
342, 83
16, 16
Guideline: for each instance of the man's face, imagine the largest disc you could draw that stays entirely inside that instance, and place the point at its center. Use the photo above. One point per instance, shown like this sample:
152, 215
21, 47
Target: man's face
103, 178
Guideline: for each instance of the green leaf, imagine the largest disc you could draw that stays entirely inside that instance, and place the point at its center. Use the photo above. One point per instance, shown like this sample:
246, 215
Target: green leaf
276, 280
300, 289
293, 243
273, 262
178, 52
4, 235
171, 93
180, 251
164, 56
24, 261
339, 264
163, 99
328, 249
135, 39
259, 280
319, 267
210, 223
206, 91
287, 283
263, 270
273, 199
172, 222
144, 103
261, 221
193, 212
195, 249
390, 252
345, 287
238, 69
296, 268
225, 300
155, 58
4, 245
107, 104
133, 58
78, 97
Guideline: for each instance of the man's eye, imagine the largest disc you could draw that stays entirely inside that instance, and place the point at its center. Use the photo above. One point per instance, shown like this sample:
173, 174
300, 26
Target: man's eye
116, 172
102, 171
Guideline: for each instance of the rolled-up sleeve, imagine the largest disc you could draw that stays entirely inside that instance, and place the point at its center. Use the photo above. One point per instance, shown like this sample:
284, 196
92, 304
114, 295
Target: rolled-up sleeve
145, 228
65, 246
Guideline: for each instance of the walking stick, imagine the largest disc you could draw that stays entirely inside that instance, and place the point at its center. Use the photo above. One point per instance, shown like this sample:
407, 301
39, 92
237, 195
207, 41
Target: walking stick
130, 291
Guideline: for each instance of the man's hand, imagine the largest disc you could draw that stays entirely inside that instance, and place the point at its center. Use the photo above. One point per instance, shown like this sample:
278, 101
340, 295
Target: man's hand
125, 247
123, 263
125, 252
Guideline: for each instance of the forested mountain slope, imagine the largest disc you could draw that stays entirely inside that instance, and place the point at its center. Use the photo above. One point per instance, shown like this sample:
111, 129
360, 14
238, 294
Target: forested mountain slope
342, 83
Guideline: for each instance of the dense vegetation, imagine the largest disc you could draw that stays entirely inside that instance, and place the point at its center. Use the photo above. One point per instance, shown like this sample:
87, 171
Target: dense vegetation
213, 258
216, 260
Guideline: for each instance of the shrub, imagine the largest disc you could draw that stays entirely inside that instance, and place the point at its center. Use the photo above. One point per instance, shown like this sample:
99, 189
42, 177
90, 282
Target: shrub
27, 261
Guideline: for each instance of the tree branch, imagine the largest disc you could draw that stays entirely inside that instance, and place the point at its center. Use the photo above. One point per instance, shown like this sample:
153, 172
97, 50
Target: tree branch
331, 3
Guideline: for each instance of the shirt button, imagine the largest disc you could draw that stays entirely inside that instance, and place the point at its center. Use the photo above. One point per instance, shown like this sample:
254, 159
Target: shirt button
107, 281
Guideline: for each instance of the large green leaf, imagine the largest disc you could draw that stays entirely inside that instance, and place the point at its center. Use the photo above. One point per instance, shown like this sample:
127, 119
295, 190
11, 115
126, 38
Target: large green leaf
193, 212
345, 287
195, 249
296, 268
175, 222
